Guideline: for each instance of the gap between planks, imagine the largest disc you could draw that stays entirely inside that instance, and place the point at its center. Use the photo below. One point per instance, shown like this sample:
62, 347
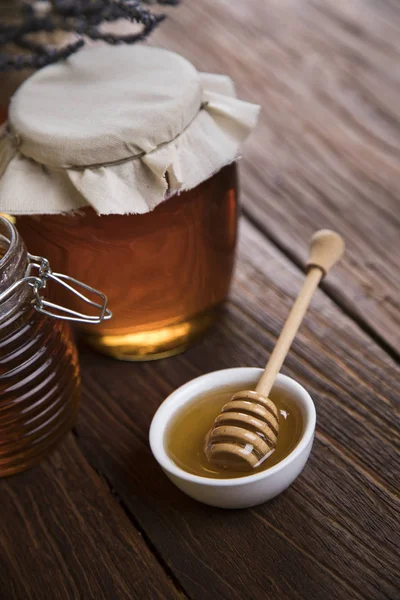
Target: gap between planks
328, 290
181, 592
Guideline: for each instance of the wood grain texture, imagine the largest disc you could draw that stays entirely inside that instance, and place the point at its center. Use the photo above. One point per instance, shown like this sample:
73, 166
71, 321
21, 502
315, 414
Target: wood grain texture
64, 536
326, 152
99, 519
333, 534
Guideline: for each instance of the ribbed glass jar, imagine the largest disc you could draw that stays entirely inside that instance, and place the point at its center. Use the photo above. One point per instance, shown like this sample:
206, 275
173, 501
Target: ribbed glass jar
39, 372
165, 272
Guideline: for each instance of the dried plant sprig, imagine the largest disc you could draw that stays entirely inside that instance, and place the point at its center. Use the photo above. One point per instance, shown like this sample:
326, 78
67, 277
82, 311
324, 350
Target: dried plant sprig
83, 18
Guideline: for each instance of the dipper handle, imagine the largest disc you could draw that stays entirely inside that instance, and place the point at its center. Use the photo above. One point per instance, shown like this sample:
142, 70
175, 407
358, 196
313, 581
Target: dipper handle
326, 248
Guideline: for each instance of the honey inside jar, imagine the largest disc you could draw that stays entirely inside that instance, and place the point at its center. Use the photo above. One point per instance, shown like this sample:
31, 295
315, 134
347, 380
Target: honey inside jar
164, 272
185, 436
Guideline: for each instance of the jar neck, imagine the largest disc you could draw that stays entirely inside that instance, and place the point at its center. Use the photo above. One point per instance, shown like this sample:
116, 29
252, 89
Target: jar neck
13, 265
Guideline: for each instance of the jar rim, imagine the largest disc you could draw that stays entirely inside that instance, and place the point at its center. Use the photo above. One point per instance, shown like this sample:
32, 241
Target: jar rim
12, 238
13, 266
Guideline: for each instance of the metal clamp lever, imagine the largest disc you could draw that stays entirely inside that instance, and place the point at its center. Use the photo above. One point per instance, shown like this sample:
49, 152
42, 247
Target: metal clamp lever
38, 283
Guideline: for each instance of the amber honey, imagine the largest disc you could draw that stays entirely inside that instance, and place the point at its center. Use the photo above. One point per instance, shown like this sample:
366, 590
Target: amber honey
165, 272
186, 434
39, 374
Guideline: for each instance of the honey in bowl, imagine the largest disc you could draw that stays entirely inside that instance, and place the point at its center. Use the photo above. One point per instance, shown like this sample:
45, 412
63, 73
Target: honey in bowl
187, 431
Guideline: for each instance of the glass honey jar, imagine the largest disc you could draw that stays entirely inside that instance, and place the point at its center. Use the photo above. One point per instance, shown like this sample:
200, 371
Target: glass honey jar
123, 162
39, 370
168, 271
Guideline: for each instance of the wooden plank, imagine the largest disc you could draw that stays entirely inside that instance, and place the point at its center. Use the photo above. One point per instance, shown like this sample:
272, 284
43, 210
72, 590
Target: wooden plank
63, 535
326, 151
333, 534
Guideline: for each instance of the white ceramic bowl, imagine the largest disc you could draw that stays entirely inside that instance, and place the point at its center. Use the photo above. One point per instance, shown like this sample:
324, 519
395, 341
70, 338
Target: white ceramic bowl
245, 491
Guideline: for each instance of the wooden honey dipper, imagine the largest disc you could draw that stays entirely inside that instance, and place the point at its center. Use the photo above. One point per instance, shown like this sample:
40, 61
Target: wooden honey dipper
246, 430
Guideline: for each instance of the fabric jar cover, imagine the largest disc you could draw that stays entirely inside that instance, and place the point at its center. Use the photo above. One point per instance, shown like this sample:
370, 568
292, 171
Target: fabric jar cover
119, 129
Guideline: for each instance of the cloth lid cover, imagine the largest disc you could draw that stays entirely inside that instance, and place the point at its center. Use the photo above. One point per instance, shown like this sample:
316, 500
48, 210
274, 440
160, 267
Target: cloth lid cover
117, 128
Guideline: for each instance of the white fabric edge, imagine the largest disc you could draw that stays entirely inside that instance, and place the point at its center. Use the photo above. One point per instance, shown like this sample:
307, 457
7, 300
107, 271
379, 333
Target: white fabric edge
211, 141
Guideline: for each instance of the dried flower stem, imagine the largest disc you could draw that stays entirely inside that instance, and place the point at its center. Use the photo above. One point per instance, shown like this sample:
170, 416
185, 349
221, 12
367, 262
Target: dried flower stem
80, 17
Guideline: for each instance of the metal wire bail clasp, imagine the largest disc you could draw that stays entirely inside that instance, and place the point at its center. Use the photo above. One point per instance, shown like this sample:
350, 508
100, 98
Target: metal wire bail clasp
38, 282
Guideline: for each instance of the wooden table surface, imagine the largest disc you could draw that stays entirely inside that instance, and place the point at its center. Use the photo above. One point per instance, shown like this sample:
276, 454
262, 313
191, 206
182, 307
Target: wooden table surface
98, 519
